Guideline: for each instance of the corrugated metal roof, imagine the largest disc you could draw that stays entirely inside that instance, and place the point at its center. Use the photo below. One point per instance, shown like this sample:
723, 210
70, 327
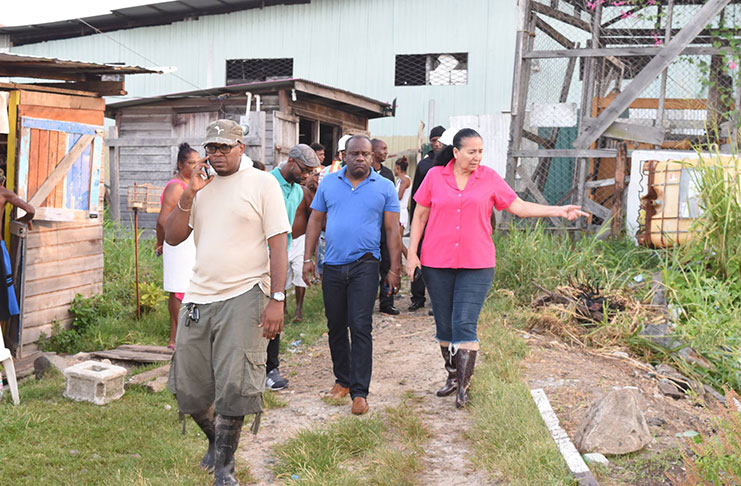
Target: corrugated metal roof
128, 18
26, 66
351, 102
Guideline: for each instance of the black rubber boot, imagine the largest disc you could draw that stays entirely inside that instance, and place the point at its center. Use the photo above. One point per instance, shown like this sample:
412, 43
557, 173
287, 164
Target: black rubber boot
451, 384
465, 359
228, 430
205, 420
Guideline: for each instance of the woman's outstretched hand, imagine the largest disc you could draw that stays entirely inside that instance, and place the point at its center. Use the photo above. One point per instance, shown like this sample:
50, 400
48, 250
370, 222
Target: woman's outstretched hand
571, 212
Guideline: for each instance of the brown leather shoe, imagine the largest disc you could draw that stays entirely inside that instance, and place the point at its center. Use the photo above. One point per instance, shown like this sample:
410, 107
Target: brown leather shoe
338, 391
359, 406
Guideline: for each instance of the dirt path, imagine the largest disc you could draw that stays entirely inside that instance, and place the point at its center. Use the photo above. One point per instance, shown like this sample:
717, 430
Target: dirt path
405, 359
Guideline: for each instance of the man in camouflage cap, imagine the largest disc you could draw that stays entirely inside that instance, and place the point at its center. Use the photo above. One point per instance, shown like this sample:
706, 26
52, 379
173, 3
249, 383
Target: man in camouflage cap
235, 299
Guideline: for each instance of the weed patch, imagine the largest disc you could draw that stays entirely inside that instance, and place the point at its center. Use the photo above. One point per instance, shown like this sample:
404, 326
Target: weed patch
382, 449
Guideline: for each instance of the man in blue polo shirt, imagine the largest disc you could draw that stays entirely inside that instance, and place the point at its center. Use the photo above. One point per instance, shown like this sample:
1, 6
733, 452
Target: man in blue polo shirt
356, 201
302, 161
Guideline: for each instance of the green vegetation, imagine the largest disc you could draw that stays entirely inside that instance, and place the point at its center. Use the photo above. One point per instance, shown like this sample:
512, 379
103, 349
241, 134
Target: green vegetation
109, 320
382, 449
48, 439
509, 435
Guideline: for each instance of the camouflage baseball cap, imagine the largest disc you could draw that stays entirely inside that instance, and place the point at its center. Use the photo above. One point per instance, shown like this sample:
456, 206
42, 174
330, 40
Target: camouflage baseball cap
223, 132
305, 154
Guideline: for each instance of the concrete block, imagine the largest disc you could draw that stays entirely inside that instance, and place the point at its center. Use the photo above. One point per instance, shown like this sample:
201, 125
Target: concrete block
95, 382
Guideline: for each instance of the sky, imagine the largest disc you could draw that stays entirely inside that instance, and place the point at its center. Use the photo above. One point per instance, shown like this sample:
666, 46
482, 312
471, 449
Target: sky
42, 11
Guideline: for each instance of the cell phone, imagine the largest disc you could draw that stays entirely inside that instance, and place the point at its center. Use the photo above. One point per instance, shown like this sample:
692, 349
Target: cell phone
210, 172
417, 274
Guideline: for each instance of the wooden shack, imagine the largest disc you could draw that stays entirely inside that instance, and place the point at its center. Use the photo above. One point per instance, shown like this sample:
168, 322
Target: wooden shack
279, 114
51, 150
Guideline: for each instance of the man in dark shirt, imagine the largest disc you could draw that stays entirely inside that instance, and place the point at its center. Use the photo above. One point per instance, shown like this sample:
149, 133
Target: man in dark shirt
418, 285
385, 301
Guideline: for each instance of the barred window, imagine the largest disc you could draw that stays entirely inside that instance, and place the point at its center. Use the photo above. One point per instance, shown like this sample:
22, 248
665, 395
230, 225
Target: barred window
240, 71
431, 69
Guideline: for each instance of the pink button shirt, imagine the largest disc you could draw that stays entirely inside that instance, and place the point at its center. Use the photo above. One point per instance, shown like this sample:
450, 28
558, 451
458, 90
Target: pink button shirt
458, 233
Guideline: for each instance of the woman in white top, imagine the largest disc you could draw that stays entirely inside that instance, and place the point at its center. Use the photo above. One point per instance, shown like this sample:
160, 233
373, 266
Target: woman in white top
403, 188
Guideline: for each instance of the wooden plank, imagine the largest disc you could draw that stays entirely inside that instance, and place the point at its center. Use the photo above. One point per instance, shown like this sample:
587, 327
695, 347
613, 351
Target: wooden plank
528, 181
73, 280
553, 34
650, 72
63, 236
102, 88
154, 380
340, 96
635, 133
45, 316
61, 101
598, 153
137, 141
63, 267
144, 348
136, 152
47, 89
60, 297
136, 356
621, 52
65, 215
89, 117
72, 250
33, 334
653, 103
621, 164
562, 16
61, 170
592, 207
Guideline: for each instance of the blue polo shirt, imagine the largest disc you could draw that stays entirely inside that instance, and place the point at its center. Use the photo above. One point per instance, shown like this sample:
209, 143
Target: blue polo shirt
354, 215
292, 196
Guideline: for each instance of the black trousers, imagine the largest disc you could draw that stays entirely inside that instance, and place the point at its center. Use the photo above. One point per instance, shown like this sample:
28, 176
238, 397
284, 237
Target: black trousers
384, 301
273, 348
418, 286
349, 294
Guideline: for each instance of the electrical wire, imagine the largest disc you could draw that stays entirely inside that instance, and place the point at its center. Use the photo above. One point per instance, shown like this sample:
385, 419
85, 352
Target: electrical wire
154, 63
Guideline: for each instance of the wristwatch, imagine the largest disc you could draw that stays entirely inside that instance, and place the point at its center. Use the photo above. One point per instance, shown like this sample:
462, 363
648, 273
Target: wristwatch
278, 296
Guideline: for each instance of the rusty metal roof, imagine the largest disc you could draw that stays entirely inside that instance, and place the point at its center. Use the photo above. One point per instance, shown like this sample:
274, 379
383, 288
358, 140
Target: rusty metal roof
305, 89
23, 65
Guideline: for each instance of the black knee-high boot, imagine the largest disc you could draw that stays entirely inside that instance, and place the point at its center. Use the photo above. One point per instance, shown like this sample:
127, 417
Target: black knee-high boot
228, 430
451, 383
205, 420
465, 359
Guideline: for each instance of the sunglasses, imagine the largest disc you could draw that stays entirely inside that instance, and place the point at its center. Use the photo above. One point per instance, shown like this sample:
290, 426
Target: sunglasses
224, 149
304, 168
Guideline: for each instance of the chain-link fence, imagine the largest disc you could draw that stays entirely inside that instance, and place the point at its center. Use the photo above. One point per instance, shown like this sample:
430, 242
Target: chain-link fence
431, 69
655, 74
239, 71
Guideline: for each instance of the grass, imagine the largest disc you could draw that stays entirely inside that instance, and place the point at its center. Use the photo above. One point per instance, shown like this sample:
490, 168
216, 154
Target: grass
382, 449
48, 439
509, 435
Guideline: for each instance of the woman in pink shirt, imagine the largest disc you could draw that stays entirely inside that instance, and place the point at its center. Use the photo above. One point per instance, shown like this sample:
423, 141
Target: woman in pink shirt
178, 260
454, 208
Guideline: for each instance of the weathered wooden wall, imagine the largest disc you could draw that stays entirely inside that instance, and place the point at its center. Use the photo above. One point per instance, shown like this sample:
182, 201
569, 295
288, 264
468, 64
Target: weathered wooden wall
145, 150
62, 260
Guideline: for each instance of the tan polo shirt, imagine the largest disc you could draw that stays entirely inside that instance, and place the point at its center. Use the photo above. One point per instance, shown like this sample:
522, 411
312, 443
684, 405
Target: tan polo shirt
232, 219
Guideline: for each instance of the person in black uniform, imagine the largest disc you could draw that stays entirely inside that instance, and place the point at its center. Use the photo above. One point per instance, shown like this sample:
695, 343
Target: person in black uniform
418, 285
385, 301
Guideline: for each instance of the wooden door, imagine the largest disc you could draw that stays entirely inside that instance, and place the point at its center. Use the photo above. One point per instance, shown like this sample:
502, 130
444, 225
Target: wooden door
58, 169
285, 135
255, 139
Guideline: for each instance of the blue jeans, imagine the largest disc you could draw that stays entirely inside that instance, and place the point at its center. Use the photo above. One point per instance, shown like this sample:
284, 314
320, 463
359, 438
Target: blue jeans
349, 296
457, 296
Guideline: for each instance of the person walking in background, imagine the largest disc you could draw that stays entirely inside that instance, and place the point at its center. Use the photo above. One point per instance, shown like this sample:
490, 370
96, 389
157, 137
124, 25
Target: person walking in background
240, 228
355, 201
454, 208
302, 161
403, 188
296, 251
177, 261
385, 300
424, 165
319, 149
8, 300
